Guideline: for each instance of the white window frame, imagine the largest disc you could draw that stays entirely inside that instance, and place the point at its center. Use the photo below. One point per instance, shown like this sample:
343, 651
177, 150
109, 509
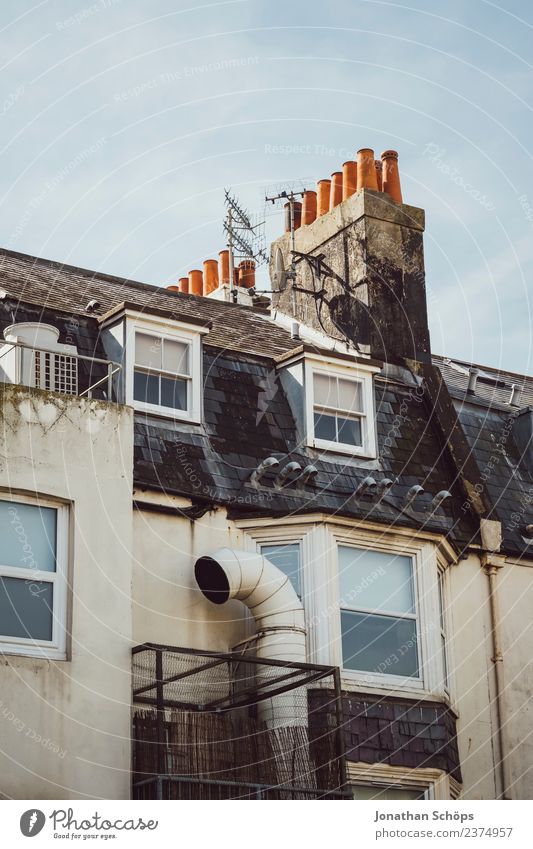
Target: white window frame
436, 783
54, 649
278, 543
358, 374
320, 535
425, 577
159, 329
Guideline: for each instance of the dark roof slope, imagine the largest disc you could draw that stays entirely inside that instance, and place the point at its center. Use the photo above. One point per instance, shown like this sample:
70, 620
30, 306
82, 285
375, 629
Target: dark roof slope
62, 287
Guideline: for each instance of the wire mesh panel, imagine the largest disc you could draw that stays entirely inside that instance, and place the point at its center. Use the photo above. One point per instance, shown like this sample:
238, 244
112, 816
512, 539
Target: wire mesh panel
217, 726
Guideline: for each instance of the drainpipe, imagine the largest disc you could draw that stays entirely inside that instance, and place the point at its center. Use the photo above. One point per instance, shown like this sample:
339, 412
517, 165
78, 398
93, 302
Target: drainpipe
278, 612
492, 562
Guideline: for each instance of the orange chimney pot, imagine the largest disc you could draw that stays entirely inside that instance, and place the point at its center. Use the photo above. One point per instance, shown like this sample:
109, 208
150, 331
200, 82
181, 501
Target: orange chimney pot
309, 207
297, 215
349, 179
247, 273
366, 170
323, 192
173, 288
210, 276
223, 268
184, 285
196, 282
335, 193
379, 174
391, 175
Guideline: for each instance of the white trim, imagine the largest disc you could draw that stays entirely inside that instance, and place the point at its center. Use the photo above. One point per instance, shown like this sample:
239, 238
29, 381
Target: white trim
437, 783
54, 649
175, 331
355, 372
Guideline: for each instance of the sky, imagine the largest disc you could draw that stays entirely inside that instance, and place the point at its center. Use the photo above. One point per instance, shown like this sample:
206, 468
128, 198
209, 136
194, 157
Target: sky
123, 122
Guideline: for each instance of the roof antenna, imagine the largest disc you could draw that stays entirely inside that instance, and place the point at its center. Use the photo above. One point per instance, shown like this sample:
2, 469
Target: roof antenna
245, 239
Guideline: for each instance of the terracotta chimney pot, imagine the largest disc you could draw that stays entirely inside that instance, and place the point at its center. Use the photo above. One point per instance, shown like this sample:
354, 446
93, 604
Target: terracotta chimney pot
335, 194
210, 276
183, 284
196, 282
366, 170
309, 207
247, 273
323, 192
379, 174
349, 179
391, 175
223, 268
173, 288
297, 215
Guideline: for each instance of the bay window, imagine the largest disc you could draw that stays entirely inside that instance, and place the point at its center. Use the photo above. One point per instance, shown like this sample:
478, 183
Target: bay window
378, 612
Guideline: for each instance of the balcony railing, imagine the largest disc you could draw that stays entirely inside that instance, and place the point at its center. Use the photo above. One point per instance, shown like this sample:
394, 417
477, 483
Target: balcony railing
59, 371
208, 725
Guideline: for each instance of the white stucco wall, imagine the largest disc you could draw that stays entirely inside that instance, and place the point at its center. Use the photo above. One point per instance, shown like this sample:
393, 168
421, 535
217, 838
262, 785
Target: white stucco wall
80, 451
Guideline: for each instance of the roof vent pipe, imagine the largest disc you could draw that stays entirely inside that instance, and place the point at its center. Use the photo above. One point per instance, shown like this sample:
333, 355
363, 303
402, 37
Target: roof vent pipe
286, 472
516, 391
266, 464
278, 612
472, 380
295, 331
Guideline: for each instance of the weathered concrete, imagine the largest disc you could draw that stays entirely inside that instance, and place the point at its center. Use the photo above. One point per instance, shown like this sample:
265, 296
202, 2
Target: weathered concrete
65, 725
374, 282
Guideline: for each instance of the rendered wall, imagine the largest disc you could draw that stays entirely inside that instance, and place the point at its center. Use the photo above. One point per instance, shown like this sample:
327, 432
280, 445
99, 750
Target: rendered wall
65, 725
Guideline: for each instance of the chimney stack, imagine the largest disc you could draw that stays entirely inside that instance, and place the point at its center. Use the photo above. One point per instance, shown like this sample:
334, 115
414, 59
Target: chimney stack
373, 245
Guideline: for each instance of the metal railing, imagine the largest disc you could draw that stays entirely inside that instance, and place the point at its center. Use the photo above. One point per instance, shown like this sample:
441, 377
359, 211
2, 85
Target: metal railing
112, 368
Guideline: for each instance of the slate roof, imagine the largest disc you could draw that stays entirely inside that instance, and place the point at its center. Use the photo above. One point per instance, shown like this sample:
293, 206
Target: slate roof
212, 463
69, 289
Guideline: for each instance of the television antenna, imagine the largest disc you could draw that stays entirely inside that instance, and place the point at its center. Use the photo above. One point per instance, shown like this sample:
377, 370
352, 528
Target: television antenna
245, 237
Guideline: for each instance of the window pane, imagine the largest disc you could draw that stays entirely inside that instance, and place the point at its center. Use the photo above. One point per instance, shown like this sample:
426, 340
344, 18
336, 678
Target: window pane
26, 608
28, 536
350, 395
366, 791
287, 559
173, 393
148, 351
325, 390
379, 644
376, 580
175, 356
146, 387
349, 431
325, 427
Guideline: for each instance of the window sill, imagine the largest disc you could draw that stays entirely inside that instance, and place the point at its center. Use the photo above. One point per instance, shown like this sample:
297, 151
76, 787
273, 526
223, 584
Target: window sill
342, 448
42, 652
167, 413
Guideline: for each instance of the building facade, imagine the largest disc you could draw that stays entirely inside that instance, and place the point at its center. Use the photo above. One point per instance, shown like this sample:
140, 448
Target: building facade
284, 524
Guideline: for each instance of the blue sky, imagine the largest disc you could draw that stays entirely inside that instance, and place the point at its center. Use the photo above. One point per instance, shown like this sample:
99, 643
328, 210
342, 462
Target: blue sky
123, 121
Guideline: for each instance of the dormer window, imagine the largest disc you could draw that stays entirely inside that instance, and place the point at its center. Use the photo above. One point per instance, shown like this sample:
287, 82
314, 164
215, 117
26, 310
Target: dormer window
340, 407
163, 364
162, 373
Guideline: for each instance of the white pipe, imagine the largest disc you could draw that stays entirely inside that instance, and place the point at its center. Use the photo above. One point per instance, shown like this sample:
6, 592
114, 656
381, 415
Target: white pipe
278, 612
268, 594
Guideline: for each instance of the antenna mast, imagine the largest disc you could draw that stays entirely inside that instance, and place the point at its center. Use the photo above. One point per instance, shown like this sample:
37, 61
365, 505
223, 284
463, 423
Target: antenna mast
245, 239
